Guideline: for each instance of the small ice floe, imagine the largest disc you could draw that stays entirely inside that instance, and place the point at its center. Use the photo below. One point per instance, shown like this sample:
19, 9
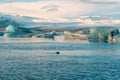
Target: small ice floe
59, 38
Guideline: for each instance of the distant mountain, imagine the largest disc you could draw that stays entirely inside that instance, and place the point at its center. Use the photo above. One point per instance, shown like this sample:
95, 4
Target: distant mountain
76, 23
94, 18
57, 23
15, 20
5, 21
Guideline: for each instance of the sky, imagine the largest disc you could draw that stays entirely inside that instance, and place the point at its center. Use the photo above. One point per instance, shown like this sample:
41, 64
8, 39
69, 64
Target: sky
61, 8
65, 11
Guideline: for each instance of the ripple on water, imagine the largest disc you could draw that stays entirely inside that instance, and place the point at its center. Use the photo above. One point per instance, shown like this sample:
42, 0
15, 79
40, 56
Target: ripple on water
76, 61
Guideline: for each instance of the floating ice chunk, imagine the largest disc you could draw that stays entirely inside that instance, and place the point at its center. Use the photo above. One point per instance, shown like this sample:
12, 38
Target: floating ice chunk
101, 34
11, 29
117, 38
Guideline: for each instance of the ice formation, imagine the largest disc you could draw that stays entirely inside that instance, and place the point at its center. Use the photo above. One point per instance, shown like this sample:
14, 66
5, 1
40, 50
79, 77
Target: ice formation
101, 34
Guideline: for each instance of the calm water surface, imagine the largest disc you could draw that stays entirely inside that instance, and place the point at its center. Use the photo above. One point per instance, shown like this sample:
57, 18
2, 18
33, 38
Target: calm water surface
76, 61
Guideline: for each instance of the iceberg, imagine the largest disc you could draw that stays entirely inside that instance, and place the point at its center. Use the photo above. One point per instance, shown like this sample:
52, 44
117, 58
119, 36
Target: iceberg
101, 34
45, 35
10, 30
116, 39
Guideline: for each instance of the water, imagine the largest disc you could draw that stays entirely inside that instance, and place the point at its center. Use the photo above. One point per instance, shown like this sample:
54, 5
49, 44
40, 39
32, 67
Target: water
76, 61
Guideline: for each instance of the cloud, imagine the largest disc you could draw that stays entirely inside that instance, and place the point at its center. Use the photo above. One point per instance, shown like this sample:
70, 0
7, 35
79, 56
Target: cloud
84, 21
50, 8
11, 1
104, 1
47, 9
62, 8
101, 1
99, 21
53, 20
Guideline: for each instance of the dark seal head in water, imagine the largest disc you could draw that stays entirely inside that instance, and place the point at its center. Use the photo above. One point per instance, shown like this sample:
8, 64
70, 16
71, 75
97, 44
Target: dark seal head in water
57, 52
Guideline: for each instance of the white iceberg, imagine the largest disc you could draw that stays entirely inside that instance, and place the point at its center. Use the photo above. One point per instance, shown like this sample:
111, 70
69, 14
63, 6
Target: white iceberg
10, 30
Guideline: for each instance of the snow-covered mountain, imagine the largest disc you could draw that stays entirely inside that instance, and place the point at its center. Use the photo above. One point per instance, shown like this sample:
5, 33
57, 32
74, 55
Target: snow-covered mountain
57, 23
76, 23
16, 20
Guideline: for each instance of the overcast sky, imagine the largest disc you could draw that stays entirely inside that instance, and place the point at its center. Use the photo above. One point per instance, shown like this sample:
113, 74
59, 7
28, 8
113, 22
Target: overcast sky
61, 8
